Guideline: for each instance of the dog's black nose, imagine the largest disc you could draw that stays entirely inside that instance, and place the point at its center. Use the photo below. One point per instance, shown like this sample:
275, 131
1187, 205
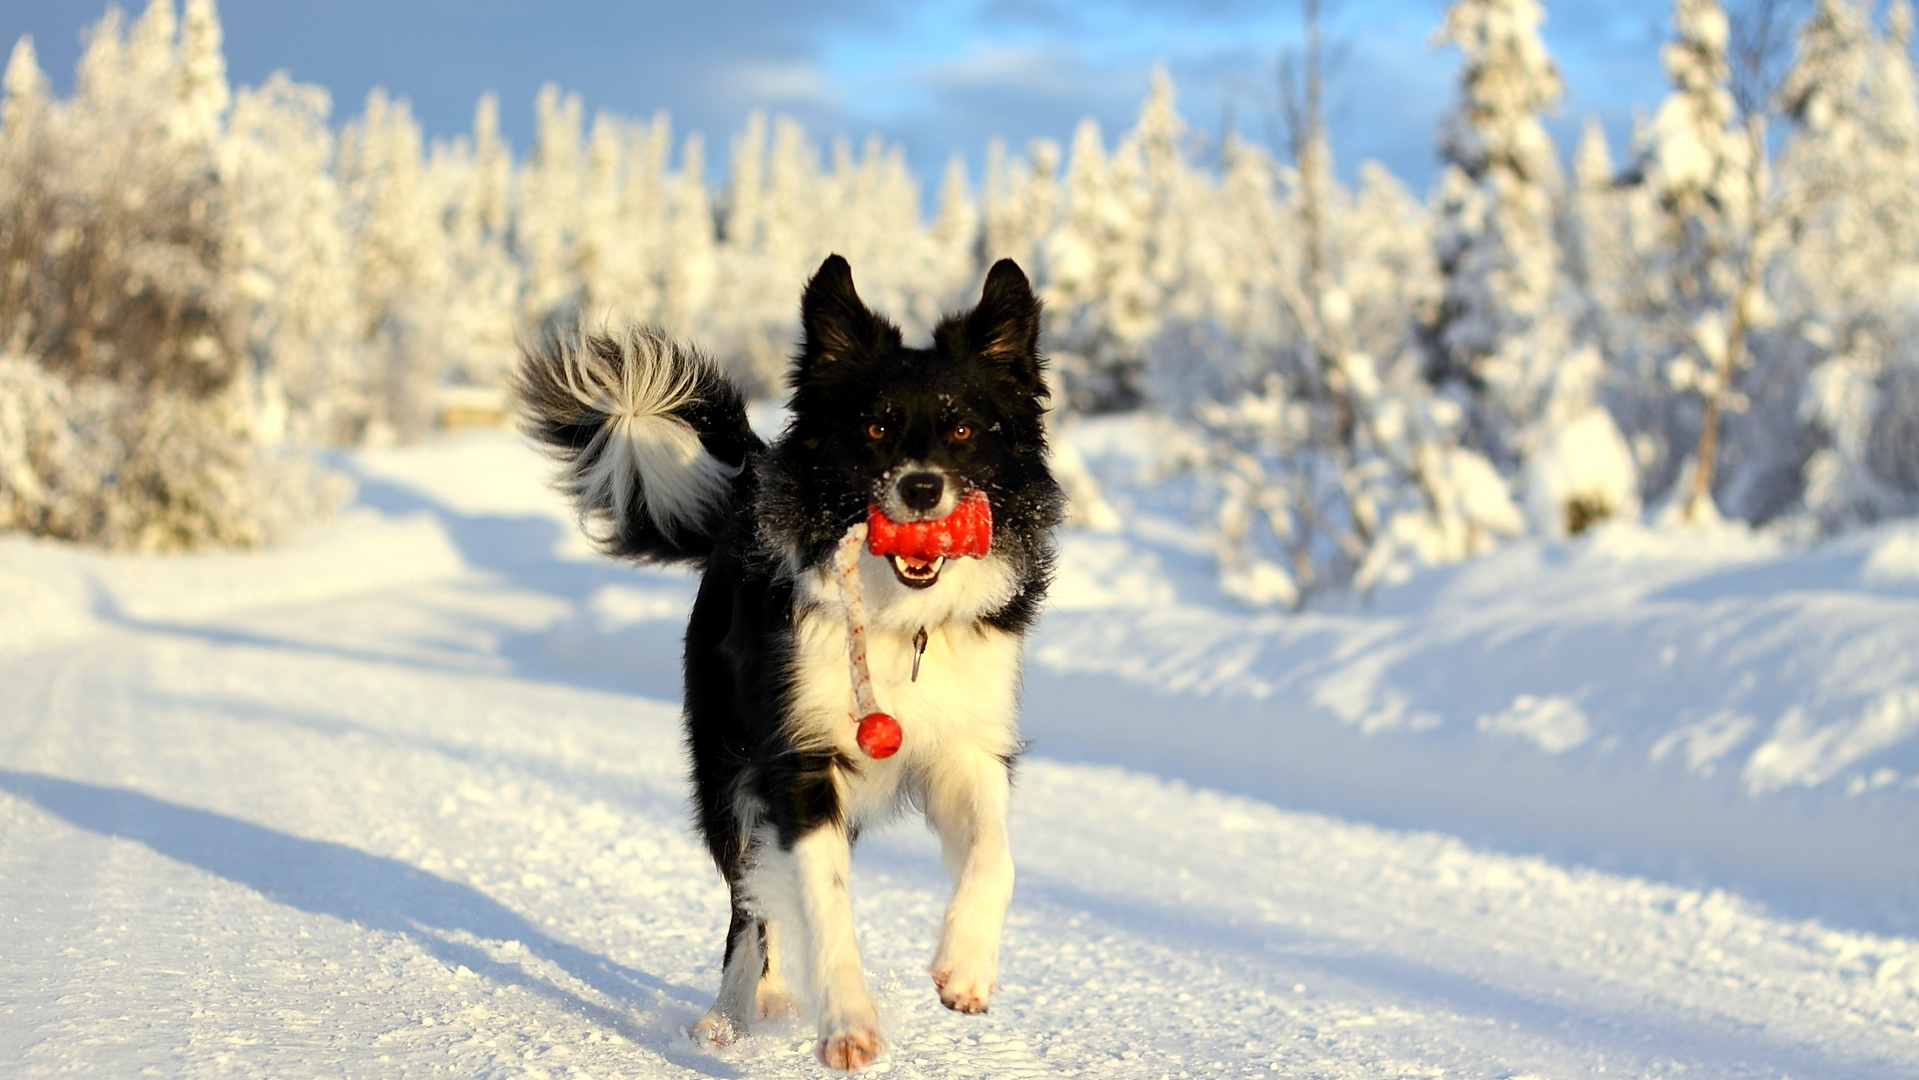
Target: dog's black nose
921, 490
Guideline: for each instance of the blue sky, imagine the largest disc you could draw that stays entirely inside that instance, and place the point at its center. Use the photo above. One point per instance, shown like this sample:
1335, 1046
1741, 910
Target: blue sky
935, 76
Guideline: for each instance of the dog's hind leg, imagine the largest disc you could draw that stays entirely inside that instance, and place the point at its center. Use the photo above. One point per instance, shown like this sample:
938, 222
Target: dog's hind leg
772, 999
966, 800
735, 1008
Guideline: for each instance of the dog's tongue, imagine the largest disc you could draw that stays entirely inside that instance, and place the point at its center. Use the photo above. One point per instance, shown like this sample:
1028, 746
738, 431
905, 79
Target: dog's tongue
968, 530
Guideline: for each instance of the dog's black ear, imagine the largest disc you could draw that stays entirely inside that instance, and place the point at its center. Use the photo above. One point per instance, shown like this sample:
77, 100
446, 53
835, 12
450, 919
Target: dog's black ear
1005, 325
836, 323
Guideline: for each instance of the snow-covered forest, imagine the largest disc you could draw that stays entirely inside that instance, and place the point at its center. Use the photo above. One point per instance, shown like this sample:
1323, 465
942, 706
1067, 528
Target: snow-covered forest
400, 790
199, 284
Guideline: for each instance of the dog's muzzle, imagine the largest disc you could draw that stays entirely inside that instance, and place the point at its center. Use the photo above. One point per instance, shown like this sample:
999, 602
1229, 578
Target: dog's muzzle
918, 491
920, 520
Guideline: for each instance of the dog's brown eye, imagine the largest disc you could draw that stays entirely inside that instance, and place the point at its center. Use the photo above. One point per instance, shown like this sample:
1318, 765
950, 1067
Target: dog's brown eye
876, 431
962, 432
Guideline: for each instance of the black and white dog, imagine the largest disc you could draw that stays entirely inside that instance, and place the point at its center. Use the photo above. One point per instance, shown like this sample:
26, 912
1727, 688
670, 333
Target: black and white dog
663, 468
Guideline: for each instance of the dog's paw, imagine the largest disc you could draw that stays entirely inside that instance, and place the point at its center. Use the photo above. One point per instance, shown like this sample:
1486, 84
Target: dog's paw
848, 1047
716, 1030
965, 988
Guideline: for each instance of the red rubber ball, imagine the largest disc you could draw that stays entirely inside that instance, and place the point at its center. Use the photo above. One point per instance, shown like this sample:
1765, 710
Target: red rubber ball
879, 735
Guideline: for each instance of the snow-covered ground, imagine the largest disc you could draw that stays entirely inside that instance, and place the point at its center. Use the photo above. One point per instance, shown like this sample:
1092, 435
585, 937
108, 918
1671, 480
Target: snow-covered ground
404, 798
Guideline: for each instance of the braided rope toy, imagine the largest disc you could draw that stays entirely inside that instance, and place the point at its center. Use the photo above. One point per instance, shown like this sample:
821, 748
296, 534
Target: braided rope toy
967, 531
879, 734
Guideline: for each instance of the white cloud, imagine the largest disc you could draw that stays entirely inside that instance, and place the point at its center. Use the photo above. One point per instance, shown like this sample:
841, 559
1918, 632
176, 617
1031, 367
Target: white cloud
780, 82
1047, 72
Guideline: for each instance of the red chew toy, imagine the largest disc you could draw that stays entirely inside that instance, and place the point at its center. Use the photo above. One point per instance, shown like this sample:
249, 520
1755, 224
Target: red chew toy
879, 735
968, 530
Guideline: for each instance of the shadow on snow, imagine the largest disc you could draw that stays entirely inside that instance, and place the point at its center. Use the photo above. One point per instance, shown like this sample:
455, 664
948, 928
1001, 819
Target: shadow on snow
376, 893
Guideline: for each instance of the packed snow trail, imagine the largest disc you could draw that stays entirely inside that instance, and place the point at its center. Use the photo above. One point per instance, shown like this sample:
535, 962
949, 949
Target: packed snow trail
258, 821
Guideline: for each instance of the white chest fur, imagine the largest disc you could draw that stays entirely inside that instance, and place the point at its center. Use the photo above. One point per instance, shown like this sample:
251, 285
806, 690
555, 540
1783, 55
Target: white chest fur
963, 702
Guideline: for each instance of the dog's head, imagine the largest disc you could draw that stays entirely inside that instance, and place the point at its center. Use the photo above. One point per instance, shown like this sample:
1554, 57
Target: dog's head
914, 431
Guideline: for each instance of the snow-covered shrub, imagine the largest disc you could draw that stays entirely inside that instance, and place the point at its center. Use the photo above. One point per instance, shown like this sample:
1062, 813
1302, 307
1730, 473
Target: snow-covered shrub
130, 406
1581, 474
157, 471
188, 475
46, 485
1328, 458
1865, 404
118, 216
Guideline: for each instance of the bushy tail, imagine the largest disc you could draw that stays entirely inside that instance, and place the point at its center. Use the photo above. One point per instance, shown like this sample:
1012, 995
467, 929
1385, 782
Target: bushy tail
650, 435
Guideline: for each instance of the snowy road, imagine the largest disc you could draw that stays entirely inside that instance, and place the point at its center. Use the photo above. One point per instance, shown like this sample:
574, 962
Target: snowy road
375, 832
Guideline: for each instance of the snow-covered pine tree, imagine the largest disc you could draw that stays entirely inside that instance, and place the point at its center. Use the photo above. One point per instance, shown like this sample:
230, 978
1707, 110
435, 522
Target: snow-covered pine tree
1852, 163
203, 94
1017, 210
1497, 336
1021, 204
877, 225
761, 261
783, 213
1596, 238
1152, 164
547, 224
690, 267
1118, 250
953, 246
646, 213
288, 250
1097, 284
489, 192
400, 264
603, 256
1332, 460
480, 317
1705, 163
46, 483
1618, 235
1092, 224
622, 223
141, 280
796, 194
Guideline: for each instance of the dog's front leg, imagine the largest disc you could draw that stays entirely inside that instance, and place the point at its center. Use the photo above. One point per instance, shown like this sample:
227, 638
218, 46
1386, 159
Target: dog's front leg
849, 1021
967, 802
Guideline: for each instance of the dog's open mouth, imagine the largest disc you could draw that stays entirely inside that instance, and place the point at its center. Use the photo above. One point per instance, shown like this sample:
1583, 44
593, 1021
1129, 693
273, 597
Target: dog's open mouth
917, 573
